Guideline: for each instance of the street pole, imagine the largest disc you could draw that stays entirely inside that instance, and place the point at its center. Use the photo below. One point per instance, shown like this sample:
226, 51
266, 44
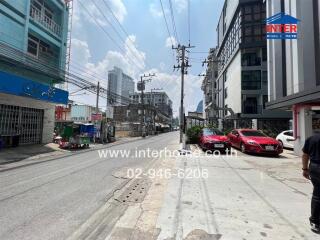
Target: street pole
142, 87
183, 49
97, 110
97, 100
184, 65
142, 105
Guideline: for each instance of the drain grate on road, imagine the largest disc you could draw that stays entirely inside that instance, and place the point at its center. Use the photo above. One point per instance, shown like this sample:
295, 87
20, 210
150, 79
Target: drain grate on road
136, 192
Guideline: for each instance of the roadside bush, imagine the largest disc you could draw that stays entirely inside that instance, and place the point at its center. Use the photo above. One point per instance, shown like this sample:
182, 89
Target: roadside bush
193, 134
227, 131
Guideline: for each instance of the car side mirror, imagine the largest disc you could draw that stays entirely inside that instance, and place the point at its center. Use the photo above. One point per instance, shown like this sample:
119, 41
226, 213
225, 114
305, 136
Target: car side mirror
237, 135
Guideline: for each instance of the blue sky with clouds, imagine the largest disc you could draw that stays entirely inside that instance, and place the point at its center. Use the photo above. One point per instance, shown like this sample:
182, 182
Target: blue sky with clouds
147, 50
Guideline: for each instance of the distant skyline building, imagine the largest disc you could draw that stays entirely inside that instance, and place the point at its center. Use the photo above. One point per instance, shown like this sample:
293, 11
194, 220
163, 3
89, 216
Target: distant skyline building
200, 107
120, 87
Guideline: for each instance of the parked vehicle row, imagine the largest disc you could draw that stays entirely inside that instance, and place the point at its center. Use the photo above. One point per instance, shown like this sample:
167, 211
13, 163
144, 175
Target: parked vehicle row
247, 140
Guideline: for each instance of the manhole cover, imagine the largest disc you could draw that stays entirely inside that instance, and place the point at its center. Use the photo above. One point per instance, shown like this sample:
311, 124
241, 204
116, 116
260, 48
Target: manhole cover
135, 193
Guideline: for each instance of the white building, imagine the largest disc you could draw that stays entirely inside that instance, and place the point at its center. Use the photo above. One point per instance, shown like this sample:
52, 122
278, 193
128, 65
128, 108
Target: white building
82, 113
294, 67
120, 87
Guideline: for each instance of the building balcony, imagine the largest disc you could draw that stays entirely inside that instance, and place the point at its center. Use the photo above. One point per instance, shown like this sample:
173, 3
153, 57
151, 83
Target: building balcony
20, 63
45, 21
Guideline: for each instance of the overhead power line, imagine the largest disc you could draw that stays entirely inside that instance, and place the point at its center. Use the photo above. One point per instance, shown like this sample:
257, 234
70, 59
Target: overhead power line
29, 62
109, 36
189, 16
173, 22
167, 26
121, 26
133, 52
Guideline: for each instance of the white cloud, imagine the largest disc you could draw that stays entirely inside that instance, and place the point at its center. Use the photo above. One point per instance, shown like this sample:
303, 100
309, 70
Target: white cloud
155, 10
162, 66
181, 5
169, 82
100, 14
118, 9
80, 52
170, 41
81, 56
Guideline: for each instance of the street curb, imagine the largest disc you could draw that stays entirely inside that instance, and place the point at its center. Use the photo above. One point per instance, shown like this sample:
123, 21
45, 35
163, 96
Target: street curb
70, 154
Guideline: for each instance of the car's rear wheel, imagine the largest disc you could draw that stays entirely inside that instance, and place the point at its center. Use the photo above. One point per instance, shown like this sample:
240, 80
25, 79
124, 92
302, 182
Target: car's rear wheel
243, 148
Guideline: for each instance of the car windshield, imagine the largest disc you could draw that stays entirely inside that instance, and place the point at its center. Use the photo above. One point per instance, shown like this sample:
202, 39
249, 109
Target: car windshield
253, 134
208, 132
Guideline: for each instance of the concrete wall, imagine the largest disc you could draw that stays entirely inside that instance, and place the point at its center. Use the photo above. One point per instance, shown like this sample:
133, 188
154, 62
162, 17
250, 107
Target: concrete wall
49, 108
16, 24
300, 55
11, 32
300, 62
230, 11
233, 84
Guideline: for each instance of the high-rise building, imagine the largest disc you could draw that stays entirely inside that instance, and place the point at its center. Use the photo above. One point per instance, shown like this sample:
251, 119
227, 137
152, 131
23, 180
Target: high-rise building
294, 67
120, 87
242, 79
33, 45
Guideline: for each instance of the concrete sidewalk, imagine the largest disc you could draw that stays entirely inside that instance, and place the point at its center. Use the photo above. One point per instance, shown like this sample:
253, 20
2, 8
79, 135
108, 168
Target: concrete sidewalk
10, 155
11, 158
244, 197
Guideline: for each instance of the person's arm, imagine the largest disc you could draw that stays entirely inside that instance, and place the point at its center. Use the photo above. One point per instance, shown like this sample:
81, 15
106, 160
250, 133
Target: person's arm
305, 166
305, 160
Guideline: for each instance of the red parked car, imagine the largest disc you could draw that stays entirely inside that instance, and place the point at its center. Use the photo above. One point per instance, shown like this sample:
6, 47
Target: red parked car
254, 141
214, 139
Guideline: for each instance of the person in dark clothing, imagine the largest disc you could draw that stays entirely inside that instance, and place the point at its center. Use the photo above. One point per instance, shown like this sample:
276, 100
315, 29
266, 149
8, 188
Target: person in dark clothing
311, 171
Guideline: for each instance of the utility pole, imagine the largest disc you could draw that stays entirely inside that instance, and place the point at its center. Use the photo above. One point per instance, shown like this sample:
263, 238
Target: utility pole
97, 100
97, 111
141, 87
215, 89
181, 49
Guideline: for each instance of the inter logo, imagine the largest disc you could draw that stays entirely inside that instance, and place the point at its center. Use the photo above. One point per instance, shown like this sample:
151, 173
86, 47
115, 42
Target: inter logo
282, 26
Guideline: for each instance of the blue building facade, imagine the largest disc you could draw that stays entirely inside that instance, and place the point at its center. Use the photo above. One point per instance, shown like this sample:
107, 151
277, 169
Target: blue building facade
33, 46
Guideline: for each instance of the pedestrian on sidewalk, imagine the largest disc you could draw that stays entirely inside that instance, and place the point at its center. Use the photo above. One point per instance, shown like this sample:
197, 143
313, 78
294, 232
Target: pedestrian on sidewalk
311, 171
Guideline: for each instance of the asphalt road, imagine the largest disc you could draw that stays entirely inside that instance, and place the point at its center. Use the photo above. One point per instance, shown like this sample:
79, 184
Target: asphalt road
51, 200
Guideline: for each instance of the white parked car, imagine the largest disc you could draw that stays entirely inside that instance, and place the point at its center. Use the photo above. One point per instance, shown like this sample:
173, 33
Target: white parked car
286, 139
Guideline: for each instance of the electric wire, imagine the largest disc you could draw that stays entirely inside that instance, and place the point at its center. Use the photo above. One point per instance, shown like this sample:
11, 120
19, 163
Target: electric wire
109, 36
173, 21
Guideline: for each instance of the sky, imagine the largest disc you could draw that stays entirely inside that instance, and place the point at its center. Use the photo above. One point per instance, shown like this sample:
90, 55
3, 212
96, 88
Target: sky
99, 43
